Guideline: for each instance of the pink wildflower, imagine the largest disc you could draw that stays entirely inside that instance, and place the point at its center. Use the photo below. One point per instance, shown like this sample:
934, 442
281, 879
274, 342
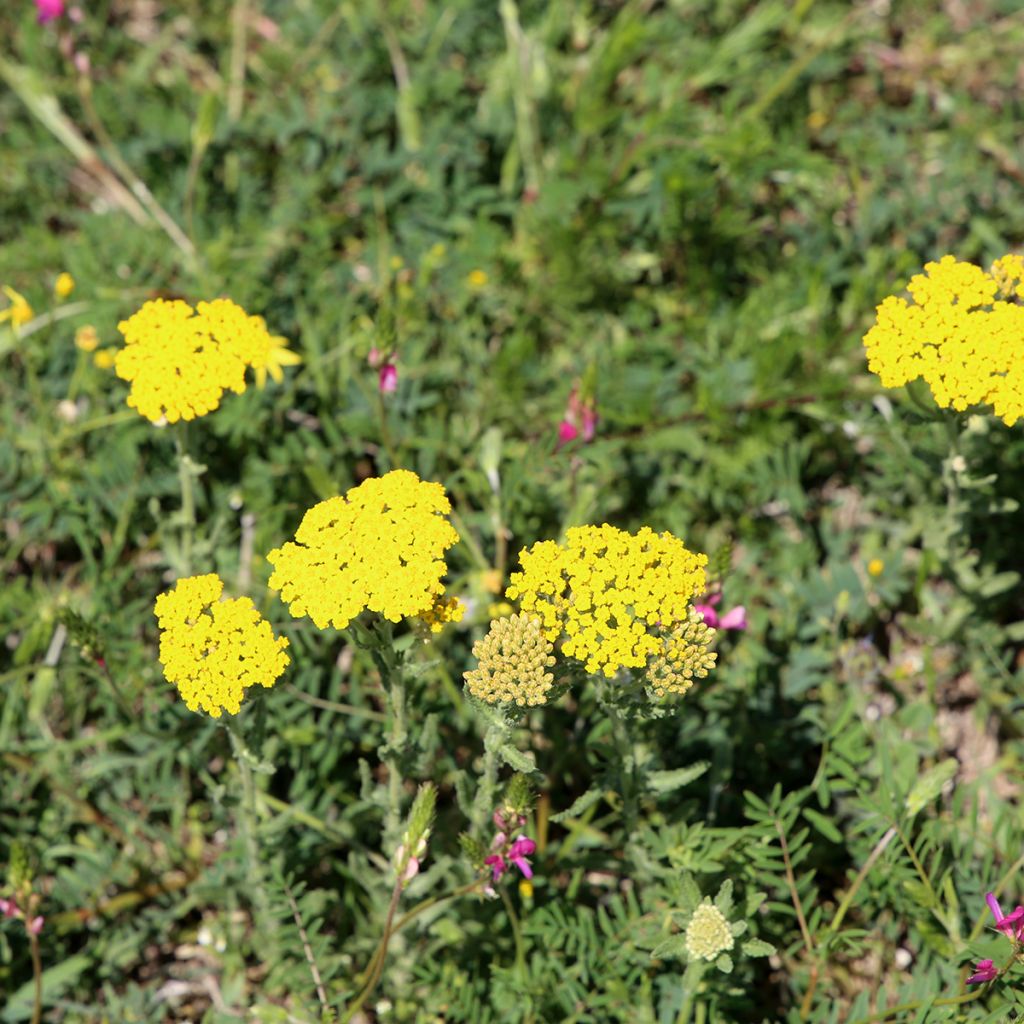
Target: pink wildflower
35, 926
388, 378
516, 854
734, 618
47, 10
8, 908
1012, 924
985, 971
580, 419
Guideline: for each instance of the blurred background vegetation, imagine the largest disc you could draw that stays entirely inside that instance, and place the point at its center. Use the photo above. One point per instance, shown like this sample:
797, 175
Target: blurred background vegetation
685, 210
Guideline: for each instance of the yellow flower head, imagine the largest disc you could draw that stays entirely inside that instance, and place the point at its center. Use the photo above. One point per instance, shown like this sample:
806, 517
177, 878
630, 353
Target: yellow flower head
512, 660
477, 279
612, 595
956, 335
708, 934
19, 312
64, 285
380, 547
105, 358
86, 338
180, 361
212, 650
443, 610
876, 567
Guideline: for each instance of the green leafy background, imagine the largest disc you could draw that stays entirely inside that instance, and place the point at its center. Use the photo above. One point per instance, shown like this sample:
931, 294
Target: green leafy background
688, 209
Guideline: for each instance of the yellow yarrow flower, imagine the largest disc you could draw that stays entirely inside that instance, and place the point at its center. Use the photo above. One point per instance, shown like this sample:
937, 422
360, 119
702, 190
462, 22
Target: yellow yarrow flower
477, 279
180, 361
19, 312
380, 548
612, 596
876, 567
64, 285
442, 611
957, 336
212, 650
278, 355
684, 656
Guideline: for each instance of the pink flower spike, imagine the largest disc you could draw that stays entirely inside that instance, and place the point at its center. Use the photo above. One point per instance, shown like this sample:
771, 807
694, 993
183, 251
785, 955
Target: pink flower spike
8, 908
734, 618
589, 418
35, 926
709, 613
388, 378
984, 972
47, 10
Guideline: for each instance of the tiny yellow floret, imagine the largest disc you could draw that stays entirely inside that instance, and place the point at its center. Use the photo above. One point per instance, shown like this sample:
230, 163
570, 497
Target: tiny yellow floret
105, 358
708, 934
477, 279
875, 567
213, 650
380, 548
64, 285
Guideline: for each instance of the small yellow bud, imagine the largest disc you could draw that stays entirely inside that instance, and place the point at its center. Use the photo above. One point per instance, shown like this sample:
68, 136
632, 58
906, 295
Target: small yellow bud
64, 285
875, 567
104, 359
477, 279
86, 338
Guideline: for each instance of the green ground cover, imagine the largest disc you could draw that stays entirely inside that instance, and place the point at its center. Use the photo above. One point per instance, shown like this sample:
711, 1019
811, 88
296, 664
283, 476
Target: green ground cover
680, 216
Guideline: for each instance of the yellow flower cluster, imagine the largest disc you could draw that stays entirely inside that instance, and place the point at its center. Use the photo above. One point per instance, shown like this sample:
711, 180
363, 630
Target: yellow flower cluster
511, 663
684, 657
612, 595
957, 336
708, 934
18, 312
442, 611
181, 360
212, 649
380, 547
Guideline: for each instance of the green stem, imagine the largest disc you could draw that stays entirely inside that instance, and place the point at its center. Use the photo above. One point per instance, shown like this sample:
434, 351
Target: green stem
37, 977
627, 755
247, 823
950, 478
483, 803
376, 966
517, 934
186, 479
847, 900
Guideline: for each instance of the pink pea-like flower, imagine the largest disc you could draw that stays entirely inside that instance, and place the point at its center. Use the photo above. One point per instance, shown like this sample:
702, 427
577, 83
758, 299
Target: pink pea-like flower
35, 926
984, 972
734, 618
388, 379
48, 10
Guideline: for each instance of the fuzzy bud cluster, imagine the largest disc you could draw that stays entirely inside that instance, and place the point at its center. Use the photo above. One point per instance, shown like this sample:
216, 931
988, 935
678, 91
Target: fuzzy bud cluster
684, 657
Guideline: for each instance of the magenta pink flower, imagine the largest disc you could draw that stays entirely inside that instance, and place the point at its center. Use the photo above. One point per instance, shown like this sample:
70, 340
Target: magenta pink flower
566, 433
516, 854
984, 972
35, 926
1012, 924
8, 908
734, 618
580, 419
48, 10
388, 378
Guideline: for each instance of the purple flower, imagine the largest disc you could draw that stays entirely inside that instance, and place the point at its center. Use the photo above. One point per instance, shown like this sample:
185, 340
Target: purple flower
47, 10
984, 972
